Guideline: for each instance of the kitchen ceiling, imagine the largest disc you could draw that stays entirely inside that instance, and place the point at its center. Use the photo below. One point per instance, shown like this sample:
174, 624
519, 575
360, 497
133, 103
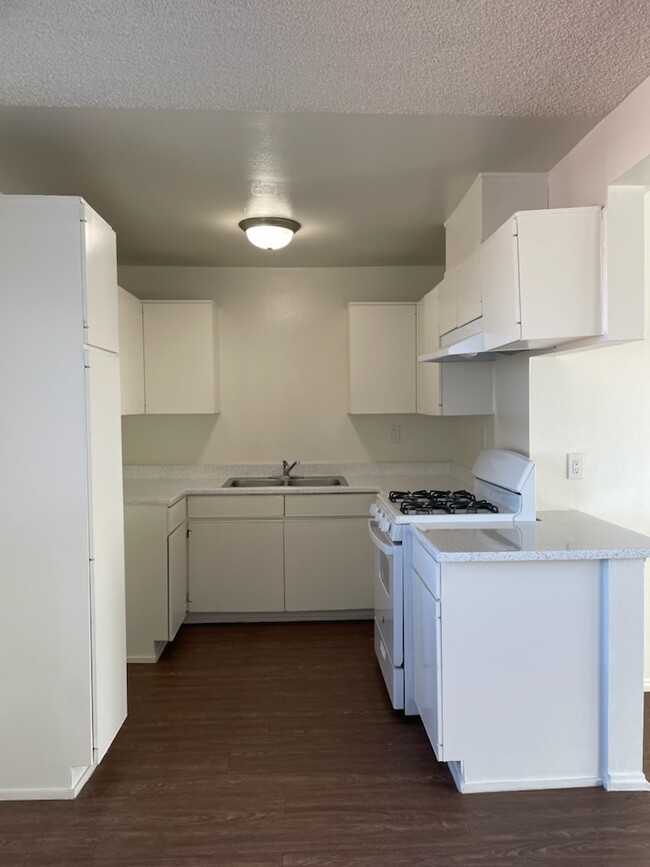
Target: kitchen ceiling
365, 121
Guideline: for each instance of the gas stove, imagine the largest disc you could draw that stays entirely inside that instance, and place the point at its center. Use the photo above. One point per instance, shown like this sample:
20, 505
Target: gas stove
440, 503
502, 491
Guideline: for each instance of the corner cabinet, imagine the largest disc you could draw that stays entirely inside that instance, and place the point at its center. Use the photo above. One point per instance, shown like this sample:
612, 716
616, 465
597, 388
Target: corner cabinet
169, 356
63, 622
381, 358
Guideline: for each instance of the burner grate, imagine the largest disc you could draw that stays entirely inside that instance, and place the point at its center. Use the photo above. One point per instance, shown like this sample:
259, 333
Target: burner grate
435, 502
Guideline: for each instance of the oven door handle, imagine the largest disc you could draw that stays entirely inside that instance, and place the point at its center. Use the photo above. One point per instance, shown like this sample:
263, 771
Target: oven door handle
378, 539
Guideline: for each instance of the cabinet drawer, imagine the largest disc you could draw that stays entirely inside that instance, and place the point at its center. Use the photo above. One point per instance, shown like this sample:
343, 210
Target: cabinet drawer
328, 505
176, 514
236, 506
427, 568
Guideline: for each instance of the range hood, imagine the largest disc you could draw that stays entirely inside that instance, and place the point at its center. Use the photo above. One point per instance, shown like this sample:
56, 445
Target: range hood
463, 344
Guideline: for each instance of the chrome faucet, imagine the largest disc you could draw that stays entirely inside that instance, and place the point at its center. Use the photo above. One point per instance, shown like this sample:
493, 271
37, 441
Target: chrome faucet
287, 467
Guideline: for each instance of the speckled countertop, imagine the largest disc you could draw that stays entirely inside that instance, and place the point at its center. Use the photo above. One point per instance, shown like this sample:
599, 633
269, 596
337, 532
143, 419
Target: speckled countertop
554, 536
165, 485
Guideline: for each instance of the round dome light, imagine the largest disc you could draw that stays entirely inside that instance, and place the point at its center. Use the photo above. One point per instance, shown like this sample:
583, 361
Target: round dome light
269, 233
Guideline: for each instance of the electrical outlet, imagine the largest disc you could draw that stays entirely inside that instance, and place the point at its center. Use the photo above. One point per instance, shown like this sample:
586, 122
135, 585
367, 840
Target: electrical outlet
575, 466
393, 434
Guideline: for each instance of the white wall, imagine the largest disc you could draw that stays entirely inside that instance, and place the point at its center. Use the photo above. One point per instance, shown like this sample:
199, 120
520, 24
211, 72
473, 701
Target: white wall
598, 401
283, 369
511, 402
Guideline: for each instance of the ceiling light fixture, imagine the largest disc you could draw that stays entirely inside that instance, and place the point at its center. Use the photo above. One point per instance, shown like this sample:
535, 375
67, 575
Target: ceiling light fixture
269, 233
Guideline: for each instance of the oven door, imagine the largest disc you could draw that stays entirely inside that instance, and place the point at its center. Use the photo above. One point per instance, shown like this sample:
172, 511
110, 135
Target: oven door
389, 595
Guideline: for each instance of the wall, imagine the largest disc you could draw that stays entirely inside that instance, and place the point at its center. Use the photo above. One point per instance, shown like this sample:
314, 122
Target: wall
283, 362
598, 401
511, 402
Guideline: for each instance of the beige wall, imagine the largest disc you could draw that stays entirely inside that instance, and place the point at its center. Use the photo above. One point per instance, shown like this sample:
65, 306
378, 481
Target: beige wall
598, 401
283, 363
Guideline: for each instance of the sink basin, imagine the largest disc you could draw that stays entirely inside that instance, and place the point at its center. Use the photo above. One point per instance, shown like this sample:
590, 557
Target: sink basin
250, 482
316, 481
291, 482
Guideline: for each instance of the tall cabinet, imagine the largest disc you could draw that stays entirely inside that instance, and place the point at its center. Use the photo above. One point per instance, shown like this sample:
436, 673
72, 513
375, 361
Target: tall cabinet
63, 680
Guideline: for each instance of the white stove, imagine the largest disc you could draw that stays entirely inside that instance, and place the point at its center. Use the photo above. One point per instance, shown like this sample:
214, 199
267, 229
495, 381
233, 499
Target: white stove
503, 480
502, 492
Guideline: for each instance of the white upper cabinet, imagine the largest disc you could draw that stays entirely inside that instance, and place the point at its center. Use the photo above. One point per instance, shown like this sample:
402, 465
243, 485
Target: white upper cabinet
447, 302
541, 279
449, 389
181, 367
468, 289
131, 353
100, 281
381, 358
428, 375
489, 202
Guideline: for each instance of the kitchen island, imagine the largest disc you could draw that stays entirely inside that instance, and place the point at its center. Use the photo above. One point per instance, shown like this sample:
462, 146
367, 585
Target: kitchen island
528, 649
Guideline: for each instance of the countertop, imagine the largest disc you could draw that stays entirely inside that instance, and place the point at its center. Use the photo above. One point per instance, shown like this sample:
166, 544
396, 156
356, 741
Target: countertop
566, 535
165, 485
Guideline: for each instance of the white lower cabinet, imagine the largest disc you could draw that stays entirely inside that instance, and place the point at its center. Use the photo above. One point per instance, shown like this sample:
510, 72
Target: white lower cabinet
328, 564
427, 676
244, 558
156, 577
524, 670
177, 575
236, 566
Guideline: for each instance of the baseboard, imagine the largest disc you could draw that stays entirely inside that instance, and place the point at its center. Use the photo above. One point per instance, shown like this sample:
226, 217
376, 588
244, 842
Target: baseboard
626, 783
277, 617
468, 788
159, 646
646, 684
81, 779
79, 776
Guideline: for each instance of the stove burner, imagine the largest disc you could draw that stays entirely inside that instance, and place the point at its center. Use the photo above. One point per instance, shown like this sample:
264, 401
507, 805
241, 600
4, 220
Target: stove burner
439, 502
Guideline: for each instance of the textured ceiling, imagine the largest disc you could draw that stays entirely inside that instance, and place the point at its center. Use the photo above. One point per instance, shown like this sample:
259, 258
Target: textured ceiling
368, 190
366, 120
477, 57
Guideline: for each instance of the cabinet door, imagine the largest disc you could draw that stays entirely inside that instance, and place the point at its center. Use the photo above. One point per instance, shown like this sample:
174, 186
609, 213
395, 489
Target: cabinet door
427, 677
236, 566
500, 287
131, 353
177, 578
329, 565
108, 619
180, 357
382, 346
100, 278
560, 267
447, 302
468, 289
428, 373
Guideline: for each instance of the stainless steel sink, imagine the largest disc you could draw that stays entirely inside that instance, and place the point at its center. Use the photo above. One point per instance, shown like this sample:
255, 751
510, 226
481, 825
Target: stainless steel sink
249, 482
316, 481
291, 482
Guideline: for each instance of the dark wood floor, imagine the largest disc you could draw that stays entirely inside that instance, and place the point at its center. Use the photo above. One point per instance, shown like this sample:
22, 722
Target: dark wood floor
275, 746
